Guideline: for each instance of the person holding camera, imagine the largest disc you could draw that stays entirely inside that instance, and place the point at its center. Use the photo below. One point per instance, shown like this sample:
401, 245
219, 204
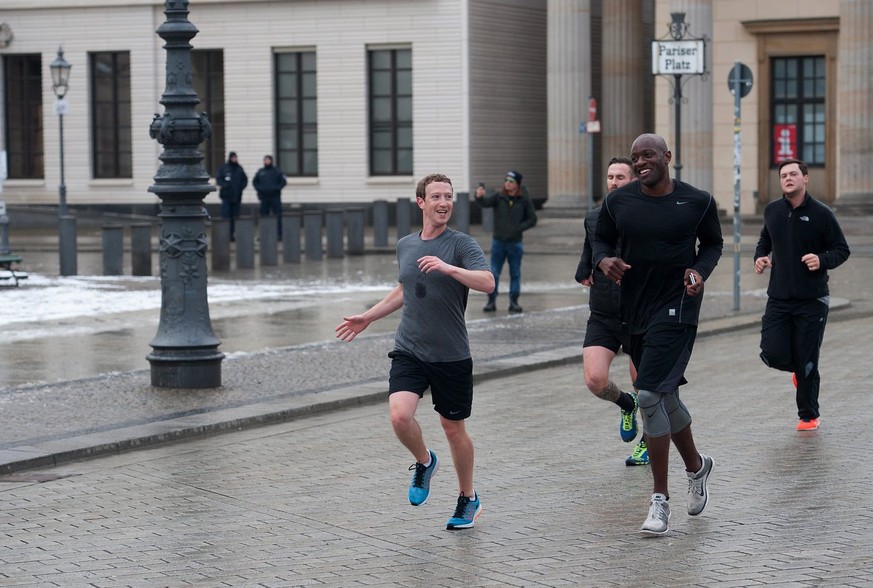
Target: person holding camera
514, 213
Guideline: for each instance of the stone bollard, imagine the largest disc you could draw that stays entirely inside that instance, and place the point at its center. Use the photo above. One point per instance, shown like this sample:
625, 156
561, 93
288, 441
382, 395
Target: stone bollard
312, 234
380, 223
113, 250
291, 237
267, 232
67, 245
220, 245
141, 250
245, 243
333, 220
355, 227
404, 217
488, 219
461, 212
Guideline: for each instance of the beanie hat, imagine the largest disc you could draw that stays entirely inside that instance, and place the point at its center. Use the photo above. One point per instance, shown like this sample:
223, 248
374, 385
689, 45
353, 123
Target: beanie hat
231, 155
515, 176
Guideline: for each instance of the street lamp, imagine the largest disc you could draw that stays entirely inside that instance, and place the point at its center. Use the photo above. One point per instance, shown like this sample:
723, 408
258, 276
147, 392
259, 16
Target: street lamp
60, 70
60, 84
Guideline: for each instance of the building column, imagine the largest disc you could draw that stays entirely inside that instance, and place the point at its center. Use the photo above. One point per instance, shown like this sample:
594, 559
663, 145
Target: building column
569, 86
697, 139
855, 179
621, 110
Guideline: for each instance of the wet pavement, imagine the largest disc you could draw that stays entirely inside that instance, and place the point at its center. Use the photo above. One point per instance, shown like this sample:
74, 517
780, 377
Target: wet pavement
318, 499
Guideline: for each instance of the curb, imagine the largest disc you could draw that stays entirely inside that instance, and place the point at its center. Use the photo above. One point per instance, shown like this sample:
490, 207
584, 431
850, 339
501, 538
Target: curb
58, 452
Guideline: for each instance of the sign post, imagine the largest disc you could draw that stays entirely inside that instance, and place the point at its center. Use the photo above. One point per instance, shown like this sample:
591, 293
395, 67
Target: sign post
739, 84
592, 126
677, 57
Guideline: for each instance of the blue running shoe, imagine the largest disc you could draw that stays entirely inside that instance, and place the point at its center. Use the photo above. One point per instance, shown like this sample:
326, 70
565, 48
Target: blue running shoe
466, 513
640, 455
628, 426
419, 489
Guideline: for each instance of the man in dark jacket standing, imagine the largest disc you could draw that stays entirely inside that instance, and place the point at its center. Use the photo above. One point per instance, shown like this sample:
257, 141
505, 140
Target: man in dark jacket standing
232, 180
513, 214
800, 241
269, 182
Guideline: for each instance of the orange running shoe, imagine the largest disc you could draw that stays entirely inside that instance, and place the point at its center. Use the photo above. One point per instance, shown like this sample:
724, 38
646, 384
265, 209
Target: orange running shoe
794, 379
807, 425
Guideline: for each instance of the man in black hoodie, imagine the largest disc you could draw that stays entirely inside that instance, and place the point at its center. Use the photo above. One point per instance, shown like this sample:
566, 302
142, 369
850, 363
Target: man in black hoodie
232, 180
269, 182
800, 241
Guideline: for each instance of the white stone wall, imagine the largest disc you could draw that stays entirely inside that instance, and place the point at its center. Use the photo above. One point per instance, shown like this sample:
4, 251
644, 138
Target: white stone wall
340, 32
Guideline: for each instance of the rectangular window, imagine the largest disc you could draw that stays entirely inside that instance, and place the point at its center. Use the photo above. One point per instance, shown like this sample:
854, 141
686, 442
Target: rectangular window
296, 113
23, 99
207, 69
390, 111
798, 102
112, 154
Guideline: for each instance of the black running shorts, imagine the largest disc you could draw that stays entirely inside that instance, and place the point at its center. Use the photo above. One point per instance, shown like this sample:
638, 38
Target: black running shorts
450, 383
661, 355
606, 331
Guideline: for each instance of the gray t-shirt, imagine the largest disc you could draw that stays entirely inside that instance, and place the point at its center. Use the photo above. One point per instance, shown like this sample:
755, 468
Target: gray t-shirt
432, 326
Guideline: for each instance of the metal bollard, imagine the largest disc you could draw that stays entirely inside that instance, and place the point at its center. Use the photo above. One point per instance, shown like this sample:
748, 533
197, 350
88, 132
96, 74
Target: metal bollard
220, 245
67, 245
113, 250
141, 250
291, 238
380, 223
333, 220
404, 217
245, 243
4, 229
355, 226
461, 212
312, 234
267, 231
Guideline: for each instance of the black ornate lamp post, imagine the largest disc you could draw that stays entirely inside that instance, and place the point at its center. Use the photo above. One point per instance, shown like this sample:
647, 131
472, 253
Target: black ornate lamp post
60, 71
185, 351
60, 84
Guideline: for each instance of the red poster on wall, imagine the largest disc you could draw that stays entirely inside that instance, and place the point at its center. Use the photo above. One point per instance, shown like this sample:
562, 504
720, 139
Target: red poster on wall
784, 142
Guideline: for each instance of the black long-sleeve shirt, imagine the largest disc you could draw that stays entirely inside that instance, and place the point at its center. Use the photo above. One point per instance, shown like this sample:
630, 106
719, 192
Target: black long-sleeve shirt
790, 233
658, 237
603, 295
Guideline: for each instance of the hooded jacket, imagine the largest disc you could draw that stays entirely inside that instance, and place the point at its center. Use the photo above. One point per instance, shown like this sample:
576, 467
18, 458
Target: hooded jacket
512, 214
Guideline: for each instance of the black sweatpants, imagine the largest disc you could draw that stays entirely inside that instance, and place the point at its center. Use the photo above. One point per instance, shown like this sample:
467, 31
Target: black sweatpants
791, 335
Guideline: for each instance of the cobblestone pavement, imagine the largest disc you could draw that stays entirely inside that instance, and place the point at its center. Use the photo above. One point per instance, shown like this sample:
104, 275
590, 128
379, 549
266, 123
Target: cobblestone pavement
307, 484
320, 501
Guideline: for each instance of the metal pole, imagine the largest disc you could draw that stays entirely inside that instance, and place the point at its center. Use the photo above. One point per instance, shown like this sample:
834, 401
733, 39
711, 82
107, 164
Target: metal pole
62, 188
737, 98
590, 171
677, 110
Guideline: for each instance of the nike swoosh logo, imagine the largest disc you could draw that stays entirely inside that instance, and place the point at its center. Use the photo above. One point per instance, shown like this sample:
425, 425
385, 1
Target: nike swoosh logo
678, 203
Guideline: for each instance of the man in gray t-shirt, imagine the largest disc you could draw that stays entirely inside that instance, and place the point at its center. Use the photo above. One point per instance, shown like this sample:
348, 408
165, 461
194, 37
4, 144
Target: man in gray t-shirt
438, 266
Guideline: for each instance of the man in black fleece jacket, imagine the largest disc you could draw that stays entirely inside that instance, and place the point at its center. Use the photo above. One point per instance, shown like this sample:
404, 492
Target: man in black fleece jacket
801, 240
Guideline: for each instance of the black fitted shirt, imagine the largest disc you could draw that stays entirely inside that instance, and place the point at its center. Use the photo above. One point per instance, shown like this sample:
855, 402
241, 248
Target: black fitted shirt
660, 237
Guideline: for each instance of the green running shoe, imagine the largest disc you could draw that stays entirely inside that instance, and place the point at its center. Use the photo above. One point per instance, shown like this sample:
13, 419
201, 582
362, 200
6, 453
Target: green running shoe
628, 426
640, 455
